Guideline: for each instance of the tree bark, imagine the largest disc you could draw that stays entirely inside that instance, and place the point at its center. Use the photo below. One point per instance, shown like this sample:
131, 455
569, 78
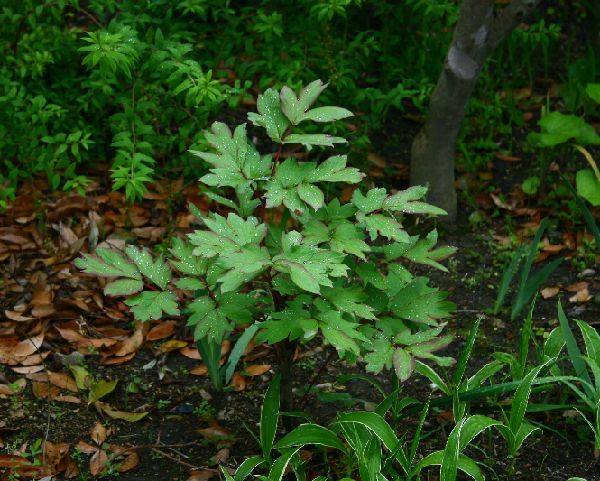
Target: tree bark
476, 35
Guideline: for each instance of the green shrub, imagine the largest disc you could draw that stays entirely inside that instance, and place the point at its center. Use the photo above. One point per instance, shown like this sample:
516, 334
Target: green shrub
286, 257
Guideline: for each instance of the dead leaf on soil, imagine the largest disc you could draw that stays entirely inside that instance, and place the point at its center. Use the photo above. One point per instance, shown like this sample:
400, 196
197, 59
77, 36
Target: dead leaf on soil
582, 295
130, 417
28, 369
549, 292
130, 458
199, 370
190, 352
98, 433
257, 369
202, 475
238, 382
172, 345
98, 462
161, 331
62, 381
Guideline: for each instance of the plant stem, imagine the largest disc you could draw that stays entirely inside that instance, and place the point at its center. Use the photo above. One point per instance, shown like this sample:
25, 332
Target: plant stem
285, 354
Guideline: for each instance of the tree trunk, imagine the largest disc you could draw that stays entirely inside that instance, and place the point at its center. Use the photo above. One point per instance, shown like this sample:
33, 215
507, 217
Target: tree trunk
476, 35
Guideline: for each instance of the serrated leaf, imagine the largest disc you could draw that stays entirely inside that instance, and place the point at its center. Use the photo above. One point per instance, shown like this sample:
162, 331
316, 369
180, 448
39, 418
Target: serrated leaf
371, 202
310, 267
348, 238
150, 305
108, 263
350, 300
314, 139
123, 287
380, 224
242, 266
190, 284
188, 263
334, 170
294, 107
312, 195
342, 335
380, 356
407, 201
326, 114
419, 302
420, 251
226, 235
270, 115
208, 320
157, 271
404, 364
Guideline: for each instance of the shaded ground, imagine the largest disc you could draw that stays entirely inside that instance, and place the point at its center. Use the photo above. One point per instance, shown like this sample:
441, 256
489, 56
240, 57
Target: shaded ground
190, 427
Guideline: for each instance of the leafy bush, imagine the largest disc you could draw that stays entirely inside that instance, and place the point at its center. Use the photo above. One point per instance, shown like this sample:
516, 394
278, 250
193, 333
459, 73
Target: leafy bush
130, 85
288, 258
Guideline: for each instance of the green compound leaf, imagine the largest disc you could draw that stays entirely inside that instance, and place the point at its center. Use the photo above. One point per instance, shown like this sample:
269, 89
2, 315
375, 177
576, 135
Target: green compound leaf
108, 263
123, 287
292, 323
208, 320
242, 266
157, 271
314, 139
334, 170
349, 300
407, 201
342, 334
236, 162
371, 202
310, 267
150, 305
292, 184
420, 251
312, 195
380, 224
419, 302
226, 235
294, 107
188, 263
326, 114
270, 115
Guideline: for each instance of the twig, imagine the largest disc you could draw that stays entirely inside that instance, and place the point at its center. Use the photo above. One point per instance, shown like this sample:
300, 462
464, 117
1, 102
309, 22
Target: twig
304, 400
173, 458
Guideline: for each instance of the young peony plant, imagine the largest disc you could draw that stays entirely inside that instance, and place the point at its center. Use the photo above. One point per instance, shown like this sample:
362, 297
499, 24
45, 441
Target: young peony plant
286, 265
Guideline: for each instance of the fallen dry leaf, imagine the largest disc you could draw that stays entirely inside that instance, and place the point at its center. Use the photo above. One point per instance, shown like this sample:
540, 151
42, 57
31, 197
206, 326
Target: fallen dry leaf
190, 352
582, 295
238, 382
257, 369
202, 474
199, 370
172, 345
130, 458
62, 381
578, 286
129, 345
549, 292
98, 433
28, 369
98, 462
111, 412
161, 331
